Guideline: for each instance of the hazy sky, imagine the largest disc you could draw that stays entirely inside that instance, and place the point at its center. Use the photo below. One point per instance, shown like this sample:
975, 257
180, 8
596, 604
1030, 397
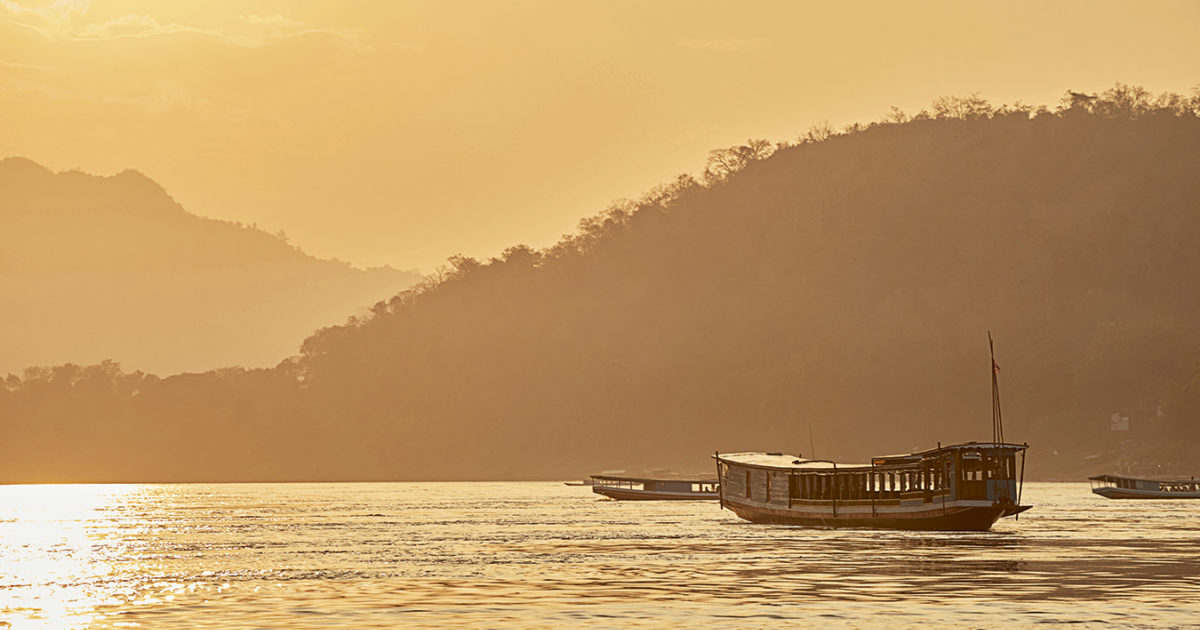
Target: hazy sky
404, 132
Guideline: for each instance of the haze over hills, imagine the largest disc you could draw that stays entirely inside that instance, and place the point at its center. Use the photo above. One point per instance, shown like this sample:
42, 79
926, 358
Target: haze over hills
844, 282
95, 268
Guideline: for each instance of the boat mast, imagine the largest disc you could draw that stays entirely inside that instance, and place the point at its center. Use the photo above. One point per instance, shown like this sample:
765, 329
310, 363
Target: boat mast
997, 417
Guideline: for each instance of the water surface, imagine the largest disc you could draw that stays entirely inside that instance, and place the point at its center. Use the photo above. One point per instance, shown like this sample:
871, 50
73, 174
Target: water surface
495, 555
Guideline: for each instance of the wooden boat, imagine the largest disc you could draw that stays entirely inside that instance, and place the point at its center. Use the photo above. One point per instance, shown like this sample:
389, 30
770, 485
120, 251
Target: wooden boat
585, 482
959, 487
1118, 487
662, 488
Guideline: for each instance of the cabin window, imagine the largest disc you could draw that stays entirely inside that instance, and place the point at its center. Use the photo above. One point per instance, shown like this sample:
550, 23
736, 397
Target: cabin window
768, 497
747, 484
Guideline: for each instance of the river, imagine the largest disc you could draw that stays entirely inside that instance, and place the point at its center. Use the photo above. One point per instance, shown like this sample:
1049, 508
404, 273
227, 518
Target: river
541, 554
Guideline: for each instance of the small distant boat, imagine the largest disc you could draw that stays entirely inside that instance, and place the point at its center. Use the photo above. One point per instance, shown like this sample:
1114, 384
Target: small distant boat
585, 482
660, 488
1118, 487
962, 487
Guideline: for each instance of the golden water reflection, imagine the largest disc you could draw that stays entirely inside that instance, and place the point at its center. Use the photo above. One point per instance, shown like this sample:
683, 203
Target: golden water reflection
53, 554
519, 555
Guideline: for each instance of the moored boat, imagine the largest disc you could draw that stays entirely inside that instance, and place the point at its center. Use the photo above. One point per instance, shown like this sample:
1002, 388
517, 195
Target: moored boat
958, 487
660, 488
1118, 487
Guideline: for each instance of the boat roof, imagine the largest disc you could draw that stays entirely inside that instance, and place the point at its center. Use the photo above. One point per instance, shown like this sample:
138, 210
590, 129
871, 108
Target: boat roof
783, 460
795, 462
1110, 477
657, 477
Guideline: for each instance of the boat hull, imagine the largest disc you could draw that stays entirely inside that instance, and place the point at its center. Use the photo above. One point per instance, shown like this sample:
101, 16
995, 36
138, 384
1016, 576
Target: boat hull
626, 494
958, 518
1129, 493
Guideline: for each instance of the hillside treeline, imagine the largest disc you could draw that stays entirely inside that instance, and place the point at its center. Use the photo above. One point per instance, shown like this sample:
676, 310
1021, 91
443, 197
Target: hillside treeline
831, 293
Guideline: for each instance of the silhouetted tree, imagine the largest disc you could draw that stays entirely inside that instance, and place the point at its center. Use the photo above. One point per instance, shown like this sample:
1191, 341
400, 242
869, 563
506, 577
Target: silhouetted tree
722, 163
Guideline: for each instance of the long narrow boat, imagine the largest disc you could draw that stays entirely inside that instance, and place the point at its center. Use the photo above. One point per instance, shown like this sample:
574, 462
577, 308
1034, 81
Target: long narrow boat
1118, 487
663, 488
959, 487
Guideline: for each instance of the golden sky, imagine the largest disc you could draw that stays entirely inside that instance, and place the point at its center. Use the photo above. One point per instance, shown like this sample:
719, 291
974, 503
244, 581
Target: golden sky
402, 132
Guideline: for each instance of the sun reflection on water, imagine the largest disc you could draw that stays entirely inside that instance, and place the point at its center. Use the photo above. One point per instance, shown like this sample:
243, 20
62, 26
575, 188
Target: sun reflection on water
53, 553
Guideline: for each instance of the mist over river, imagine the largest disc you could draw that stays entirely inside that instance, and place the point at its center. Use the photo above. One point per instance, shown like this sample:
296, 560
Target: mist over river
539, 554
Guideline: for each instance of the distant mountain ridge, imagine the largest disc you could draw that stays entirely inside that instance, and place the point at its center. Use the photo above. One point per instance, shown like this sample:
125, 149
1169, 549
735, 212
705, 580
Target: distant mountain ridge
95, 268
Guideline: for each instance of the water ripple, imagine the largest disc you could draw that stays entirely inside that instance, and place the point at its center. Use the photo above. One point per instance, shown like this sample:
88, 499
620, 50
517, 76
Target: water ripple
527, 555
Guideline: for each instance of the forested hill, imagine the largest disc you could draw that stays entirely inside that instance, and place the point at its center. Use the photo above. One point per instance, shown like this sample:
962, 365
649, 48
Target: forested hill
95, 268
844, 283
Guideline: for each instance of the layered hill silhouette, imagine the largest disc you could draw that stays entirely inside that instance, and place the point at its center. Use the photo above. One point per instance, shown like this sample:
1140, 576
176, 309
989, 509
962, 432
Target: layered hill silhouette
840, 287
95, 268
